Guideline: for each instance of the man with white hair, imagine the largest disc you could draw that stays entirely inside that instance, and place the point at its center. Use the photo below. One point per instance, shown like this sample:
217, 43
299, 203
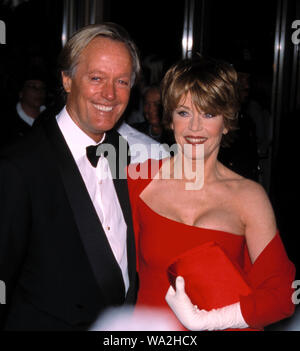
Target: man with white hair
67, 247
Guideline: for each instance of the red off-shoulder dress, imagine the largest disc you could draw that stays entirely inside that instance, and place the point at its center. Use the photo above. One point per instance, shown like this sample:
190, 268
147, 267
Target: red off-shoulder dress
160, 240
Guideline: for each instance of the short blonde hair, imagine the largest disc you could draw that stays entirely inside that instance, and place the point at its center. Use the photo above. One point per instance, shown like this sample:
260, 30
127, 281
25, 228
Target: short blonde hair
212, 84
69, 56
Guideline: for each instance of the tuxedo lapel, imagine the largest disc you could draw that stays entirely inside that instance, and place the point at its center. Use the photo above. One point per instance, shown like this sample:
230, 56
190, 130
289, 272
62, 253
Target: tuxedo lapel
106, 269
120, 183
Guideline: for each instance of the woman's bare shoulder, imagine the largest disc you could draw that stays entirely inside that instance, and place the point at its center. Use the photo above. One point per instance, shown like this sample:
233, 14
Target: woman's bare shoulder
248, 194
251, 191
253, 201
241, 185
258, 217
232, 180
253, 206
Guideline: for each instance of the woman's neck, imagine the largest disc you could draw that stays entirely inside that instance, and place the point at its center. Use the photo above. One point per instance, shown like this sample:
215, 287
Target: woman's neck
196, 172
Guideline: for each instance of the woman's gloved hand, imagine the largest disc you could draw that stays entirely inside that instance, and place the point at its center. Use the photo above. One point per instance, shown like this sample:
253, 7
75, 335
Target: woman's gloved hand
194, 319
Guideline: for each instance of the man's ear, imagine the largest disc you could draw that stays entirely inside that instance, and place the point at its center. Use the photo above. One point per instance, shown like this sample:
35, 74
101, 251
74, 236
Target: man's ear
67, 82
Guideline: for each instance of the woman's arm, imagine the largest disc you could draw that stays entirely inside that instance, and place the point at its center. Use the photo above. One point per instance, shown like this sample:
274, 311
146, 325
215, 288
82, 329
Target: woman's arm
272, 274
258, 217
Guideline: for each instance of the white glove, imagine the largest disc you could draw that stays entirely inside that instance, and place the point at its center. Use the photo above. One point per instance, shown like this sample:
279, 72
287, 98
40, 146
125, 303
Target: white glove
194, 319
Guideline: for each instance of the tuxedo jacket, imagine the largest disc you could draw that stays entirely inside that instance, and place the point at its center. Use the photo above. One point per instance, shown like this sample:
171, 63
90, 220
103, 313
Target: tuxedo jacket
55, 260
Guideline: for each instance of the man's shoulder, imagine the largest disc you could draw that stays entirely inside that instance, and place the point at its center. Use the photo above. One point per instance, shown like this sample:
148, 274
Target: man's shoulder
134, 136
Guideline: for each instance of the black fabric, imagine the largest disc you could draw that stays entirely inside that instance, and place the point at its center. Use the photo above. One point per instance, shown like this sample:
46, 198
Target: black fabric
55, 259
92, 155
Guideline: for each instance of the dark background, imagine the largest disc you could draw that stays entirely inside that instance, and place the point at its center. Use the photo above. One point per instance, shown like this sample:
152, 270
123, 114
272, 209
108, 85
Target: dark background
241, 32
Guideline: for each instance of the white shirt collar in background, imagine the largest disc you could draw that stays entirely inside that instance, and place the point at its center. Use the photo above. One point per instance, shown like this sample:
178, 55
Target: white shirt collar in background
23, 115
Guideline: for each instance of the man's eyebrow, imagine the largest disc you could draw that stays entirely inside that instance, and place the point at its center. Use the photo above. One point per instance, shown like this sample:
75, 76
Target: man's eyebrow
102, 72
94, 71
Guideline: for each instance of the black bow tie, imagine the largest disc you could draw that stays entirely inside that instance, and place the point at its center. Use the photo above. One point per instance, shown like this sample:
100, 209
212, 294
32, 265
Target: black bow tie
93, 153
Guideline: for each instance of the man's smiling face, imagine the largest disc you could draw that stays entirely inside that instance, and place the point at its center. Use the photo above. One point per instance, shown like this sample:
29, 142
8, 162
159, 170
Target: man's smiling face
99, 91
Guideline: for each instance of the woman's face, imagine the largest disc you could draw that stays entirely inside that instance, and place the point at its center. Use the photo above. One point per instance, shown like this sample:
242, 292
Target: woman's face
193, 128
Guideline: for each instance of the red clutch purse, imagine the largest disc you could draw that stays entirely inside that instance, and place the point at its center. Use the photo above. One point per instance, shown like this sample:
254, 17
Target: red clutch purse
211, 279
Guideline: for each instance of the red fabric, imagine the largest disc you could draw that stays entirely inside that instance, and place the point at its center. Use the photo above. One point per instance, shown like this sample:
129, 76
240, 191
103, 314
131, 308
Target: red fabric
271, 278
161, 240
211, 279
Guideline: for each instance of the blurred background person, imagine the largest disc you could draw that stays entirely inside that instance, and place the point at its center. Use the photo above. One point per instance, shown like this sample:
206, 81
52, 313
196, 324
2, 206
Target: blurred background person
17, 120
152, 110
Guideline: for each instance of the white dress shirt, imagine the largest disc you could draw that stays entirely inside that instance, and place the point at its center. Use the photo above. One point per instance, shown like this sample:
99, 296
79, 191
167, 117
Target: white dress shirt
100, 187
